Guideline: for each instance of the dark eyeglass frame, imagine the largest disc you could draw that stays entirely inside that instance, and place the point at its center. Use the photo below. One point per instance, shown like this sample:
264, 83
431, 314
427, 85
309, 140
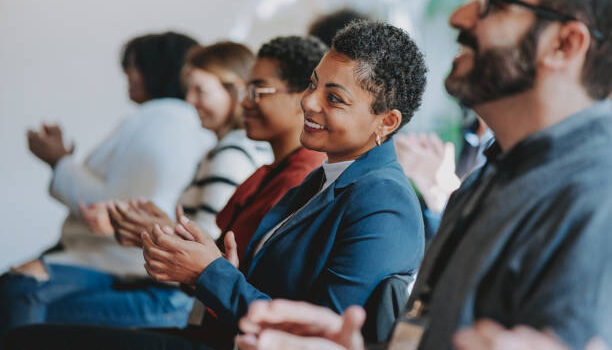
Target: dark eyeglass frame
254, 92
543, 12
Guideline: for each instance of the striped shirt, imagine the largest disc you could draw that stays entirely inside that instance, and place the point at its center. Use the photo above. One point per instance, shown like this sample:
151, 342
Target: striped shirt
225, 167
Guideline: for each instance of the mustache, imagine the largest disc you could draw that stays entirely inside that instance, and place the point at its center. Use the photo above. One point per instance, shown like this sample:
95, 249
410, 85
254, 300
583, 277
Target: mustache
468, 39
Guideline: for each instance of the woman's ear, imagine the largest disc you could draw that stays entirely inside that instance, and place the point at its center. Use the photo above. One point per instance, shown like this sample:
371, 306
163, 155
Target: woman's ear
390, 122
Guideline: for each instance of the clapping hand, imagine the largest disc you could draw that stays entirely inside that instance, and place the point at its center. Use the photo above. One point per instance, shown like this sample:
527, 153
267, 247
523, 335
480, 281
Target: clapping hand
131, 218
284, 324
47, 144
181, 253
430, 164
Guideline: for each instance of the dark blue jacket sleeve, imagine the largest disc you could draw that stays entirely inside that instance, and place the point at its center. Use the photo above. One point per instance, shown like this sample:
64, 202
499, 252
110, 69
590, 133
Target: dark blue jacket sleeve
230, 295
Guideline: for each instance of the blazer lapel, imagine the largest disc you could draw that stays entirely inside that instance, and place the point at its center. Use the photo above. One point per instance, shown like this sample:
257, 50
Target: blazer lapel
312, 209
291, 202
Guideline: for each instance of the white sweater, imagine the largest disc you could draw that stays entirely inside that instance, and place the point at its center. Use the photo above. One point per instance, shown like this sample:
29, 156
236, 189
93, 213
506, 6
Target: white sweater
152, 154
228, 165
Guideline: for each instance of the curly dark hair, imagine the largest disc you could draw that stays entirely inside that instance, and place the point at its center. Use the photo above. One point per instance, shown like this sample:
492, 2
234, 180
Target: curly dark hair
297, 56
390, 65
159, 58
597, 15
326, 27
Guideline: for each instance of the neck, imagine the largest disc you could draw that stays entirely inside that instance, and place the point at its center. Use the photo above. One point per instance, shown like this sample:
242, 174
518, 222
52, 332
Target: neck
222, 131
514, 118
284, 145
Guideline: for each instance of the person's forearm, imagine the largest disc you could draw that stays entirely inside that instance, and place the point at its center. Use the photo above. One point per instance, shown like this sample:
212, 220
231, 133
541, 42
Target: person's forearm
225, 290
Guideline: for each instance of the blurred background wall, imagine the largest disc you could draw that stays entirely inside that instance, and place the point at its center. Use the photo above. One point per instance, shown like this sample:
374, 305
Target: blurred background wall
59, 62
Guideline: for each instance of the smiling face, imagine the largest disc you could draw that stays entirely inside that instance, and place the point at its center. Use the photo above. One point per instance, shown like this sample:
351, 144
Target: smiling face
337, 111
498, 53
210, 99
275, 116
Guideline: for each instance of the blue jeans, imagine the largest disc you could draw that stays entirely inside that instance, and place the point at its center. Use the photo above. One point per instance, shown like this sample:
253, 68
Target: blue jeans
78, 295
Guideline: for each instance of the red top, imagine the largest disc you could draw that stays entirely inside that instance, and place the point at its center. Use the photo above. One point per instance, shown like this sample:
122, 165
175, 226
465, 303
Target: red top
260, 192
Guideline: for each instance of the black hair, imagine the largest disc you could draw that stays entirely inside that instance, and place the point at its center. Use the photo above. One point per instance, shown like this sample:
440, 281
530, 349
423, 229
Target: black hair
597, 15
159, 58
389, 65
297, 56
326, 27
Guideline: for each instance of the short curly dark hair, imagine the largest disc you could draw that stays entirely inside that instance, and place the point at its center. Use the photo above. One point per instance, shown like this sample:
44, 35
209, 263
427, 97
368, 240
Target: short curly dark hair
297, 56
159, 58
390, 65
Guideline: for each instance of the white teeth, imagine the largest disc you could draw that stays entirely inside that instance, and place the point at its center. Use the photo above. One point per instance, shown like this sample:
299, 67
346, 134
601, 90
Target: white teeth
313, 125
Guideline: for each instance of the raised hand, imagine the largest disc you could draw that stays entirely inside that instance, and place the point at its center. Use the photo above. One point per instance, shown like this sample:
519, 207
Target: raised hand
47, 144
171, 255
283, 324
430, 164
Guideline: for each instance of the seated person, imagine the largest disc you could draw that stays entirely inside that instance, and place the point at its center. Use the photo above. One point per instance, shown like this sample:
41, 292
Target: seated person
270, 117
138, 159
327, 241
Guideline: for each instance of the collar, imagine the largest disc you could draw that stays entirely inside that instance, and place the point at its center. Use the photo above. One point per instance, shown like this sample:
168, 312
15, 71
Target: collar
374, 159
554, 141
334, 170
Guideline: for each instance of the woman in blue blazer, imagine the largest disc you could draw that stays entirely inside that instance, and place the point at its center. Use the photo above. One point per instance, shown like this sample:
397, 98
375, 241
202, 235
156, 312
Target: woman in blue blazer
351, 223
334, 238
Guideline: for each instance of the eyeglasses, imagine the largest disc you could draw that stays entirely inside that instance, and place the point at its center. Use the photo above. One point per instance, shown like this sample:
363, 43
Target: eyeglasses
543, 12
254, 92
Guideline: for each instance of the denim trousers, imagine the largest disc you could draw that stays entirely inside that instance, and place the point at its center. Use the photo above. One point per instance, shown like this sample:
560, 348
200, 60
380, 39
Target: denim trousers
78, 295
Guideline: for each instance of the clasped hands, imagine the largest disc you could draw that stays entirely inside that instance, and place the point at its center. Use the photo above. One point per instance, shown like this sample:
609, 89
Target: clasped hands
173, 251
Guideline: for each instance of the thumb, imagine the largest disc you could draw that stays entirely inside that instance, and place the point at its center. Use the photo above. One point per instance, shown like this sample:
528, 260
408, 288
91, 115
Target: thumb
350, 333
231, 249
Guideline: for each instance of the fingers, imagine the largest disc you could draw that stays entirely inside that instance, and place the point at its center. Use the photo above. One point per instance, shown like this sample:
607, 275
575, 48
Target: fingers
157, 275
183, 233
120, 218
277, 340
128, 238
163, 238
52, 129
350, 333
469, 339
231, 249
152, 252
246, 342
303, 318
198, 234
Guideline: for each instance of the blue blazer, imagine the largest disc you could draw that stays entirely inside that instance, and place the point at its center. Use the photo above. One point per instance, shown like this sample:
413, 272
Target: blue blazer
364, 227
